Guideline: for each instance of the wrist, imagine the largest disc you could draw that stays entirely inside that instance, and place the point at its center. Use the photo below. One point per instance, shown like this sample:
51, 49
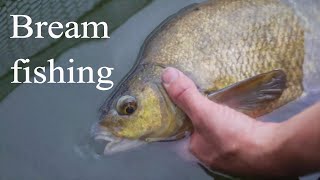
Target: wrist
269, 149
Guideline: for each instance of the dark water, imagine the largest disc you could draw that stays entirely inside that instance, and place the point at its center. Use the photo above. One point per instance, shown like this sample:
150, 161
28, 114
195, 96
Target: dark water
41, 126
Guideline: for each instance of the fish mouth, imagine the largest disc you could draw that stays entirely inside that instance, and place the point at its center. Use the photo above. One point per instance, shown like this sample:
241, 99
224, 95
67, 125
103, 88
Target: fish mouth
110, 143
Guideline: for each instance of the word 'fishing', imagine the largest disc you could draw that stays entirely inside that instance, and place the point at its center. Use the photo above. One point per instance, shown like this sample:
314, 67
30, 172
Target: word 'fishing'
104, 73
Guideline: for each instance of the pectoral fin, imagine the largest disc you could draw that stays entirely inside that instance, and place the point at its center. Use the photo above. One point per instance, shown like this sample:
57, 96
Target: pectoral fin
252, 94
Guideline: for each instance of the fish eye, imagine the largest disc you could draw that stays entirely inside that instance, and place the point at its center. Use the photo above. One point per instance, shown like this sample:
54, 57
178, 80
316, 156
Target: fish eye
127, 105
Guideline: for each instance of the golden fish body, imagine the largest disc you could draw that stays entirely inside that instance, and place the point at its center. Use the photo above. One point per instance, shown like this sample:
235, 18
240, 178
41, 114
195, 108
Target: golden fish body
217, 44
220, 43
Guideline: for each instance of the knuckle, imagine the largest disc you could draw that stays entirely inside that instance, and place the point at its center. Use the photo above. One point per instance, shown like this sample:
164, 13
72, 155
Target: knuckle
183, 94
183, 89
230, 152
191, 149
194, 152
192, 145
211, 160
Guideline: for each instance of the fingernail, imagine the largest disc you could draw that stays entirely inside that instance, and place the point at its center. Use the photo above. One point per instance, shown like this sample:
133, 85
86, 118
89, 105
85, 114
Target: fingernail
169, 75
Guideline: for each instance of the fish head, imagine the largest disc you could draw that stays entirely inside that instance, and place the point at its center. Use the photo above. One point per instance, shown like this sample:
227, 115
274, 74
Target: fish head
140, 114
136, 114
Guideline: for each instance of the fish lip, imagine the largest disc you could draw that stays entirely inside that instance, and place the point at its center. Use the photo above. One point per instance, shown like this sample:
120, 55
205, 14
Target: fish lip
113, 144
99, 132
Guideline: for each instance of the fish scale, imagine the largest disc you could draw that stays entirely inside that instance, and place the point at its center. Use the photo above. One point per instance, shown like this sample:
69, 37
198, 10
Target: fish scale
271, 56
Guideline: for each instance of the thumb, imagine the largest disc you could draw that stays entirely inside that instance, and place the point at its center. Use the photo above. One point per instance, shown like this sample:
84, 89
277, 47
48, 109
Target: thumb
183, 92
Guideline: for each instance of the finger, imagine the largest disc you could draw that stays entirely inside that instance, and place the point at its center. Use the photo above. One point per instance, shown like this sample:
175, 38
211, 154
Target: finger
199, 148
193, 145
183, 92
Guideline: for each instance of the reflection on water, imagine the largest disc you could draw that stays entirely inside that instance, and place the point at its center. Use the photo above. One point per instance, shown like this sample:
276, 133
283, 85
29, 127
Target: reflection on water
41, 126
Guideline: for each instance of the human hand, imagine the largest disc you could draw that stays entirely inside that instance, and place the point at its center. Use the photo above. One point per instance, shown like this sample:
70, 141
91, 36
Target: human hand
223, 139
